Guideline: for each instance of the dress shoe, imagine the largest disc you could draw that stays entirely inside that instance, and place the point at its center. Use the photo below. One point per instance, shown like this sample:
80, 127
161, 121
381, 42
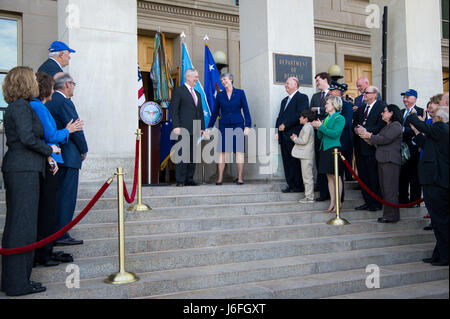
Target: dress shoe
239, 183
51, 263
62, 257
438, 263
429, 227
191, 183
219, 183
68, 242
321, 199
180, 184
385, 221
286, 190
362, 207
428, 260
34, 290
35, 283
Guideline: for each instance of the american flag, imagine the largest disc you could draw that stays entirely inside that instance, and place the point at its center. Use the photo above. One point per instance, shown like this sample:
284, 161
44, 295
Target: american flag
141, 96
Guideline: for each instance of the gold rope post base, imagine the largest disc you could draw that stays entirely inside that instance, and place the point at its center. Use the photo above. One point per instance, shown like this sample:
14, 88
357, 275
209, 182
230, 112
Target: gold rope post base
337, 221
122, 277
139, 206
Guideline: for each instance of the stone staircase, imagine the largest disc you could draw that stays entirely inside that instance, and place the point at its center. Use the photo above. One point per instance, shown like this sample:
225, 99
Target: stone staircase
249, 241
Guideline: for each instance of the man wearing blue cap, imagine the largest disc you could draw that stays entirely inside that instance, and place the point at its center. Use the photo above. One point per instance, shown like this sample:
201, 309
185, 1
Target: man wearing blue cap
409, 187
59, 57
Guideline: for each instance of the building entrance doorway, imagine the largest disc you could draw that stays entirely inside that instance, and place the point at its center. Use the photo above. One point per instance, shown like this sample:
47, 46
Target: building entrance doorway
353, 71
151, 173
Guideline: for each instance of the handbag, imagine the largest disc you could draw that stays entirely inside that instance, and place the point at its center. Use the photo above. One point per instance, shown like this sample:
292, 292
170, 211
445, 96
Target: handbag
406, 155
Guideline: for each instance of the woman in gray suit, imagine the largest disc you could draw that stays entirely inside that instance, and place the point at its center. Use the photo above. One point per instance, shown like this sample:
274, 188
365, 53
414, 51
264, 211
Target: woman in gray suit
23, 167
388, 154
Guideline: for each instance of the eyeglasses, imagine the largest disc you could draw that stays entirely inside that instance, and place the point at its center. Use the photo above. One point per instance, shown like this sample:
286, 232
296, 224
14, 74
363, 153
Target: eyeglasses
74, 84
369, 92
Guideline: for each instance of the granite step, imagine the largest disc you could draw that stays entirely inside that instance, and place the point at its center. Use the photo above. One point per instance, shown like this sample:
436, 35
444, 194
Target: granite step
320, 285
147, 260
265, 276
196, 199
438, 289
87, 190
180, 240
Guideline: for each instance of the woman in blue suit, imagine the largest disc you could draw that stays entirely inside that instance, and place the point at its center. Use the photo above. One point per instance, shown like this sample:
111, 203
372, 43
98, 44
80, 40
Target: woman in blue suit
50, 184
229, 105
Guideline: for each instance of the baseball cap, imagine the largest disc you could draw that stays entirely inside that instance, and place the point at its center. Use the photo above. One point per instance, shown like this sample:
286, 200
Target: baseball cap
57, 46
410, 92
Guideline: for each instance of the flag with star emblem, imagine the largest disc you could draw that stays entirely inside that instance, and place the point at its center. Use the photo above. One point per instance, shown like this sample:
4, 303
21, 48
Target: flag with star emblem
212, 78
187, 64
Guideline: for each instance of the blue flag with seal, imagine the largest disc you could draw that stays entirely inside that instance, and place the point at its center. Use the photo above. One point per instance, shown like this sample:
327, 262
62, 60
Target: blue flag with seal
212, 79
187, 64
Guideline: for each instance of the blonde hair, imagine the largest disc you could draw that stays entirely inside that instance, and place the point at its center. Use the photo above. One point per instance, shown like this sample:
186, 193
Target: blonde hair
335, 101
20, 83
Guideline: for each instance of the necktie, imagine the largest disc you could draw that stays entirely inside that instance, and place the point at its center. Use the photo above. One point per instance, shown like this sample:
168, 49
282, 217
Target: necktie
406, 115
322, 98
289, 100
366, 113
361, 100
194, 96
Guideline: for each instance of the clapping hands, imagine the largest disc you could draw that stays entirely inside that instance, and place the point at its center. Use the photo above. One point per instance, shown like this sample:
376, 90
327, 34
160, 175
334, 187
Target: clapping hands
316, 124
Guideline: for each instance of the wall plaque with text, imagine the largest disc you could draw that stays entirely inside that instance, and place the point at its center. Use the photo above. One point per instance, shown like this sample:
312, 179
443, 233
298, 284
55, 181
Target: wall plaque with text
286, 66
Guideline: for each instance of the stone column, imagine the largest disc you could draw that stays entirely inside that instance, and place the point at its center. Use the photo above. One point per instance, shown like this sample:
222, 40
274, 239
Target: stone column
414, 48
104, 34
268, 27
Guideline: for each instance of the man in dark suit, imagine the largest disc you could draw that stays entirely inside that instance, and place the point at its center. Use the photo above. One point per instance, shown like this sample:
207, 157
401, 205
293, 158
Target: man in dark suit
361, 84
288, 123
185, 108
73, 152
368, 117
323, 81
338, 89
434, 175
59, 58
410, 190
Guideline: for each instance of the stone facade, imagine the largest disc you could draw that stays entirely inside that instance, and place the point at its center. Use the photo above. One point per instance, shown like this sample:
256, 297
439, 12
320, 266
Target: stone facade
340, 33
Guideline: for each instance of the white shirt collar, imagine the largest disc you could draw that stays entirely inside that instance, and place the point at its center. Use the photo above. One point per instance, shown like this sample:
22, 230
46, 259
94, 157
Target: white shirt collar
292, 95
188, 86
57, 63
62, 94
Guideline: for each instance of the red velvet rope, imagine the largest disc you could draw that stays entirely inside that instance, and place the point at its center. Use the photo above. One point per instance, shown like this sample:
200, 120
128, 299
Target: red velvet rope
45, 241
130, 199
347, 164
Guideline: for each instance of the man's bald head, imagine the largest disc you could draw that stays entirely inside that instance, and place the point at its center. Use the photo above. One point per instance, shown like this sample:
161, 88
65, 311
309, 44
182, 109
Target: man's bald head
362, 83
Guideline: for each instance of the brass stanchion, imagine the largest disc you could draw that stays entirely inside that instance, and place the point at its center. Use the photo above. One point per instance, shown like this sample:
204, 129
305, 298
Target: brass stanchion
122, 277
139, 206
338, 221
